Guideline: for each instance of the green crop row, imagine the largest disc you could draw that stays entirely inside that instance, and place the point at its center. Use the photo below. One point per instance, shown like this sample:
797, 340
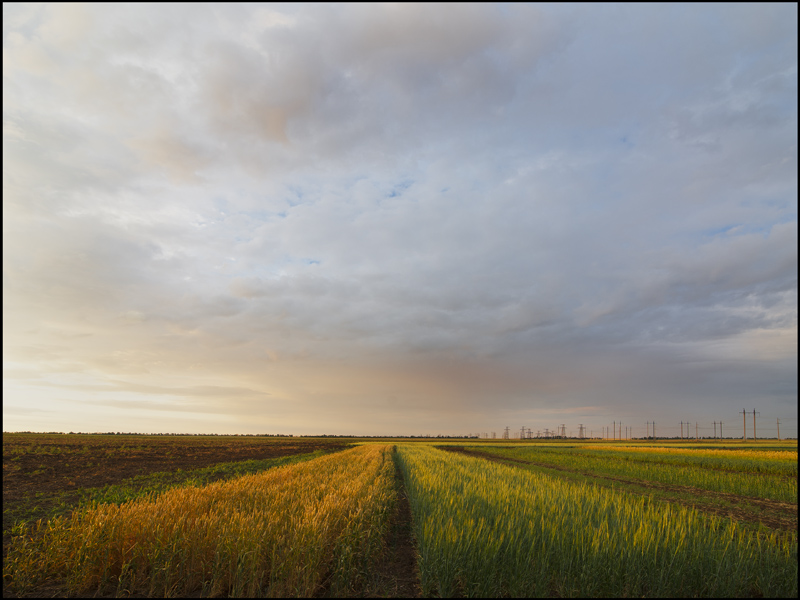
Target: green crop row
651, 469
775, 463
486, 530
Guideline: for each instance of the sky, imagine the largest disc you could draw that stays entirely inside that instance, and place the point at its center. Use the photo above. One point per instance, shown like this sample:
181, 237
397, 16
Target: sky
399, 219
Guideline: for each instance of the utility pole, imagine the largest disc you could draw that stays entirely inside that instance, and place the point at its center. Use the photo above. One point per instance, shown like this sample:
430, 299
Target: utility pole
744, 425
695, 432
647, 428
614, 428
778, 421
754, 424
720, 431
654, 430
681, 429
505, 434
715, 430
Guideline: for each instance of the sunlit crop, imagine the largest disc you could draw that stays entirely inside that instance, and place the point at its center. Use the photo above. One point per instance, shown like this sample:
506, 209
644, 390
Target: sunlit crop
485, 529
289, 531
741, 461
779, 455
775, 480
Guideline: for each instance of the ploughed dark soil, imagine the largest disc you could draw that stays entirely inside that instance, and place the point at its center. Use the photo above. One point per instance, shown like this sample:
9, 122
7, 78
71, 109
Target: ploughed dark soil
41, 469
770, 513
71, 462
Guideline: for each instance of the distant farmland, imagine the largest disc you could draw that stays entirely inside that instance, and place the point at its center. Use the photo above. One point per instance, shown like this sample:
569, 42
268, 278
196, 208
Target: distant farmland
260, 516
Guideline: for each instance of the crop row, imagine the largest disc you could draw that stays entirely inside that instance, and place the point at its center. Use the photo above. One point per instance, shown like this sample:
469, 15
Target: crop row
784, 454
482, 529
656, 468
288, 531
158, 482
485, 530
774, 462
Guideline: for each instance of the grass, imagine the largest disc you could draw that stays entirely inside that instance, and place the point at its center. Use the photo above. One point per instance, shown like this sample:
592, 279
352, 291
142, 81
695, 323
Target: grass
322, 524
488, 530
292, 530
777, 479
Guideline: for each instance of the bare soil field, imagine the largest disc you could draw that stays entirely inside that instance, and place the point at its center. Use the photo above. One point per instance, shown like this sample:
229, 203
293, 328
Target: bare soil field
43, 470
48, 463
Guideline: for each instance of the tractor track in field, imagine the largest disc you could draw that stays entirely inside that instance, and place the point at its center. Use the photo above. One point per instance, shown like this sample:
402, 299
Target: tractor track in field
777, 515
397, 575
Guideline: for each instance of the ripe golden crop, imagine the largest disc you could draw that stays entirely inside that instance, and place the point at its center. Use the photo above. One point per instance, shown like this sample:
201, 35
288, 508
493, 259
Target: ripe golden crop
276, 533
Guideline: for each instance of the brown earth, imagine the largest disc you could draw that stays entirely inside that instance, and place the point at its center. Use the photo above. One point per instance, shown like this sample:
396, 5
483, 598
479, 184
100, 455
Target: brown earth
59, 463
772, 513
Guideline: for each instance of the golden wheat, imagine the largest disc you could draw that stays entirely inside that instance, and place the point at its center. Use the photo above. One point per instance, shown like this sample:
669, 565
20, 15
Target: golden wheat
287, 532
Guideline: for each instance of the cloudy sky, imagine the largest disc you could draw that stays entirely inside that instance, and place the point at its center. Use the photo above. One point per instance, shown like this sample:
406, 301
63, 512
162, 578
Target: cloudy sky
399, 219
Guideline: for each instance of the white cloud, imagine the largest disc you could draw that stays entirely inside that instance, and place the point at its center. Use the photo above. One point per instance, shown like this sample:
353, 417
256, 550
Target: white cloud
471, 206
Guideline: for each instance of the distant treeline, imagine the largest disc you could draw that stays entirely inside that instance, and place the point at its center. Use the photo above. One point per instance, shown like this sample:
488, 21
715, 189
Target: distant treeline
155, 434
392, 437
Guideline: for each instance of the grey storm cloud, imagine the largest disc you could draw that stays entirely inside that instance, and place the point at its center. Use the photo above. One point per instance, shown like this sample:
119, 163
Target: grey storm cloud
472, 210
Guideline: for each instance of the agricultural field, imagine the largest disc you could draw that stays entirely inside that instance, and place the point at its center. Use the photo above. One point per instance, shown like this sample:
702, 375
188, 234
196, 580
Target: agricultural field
756, 486
488, 529
247, 516
45, 475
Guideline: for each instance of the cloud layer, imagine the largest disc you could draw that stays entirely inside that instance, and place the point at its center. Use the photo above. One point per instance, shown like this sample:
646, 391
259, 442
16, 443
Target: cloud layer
398, 219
